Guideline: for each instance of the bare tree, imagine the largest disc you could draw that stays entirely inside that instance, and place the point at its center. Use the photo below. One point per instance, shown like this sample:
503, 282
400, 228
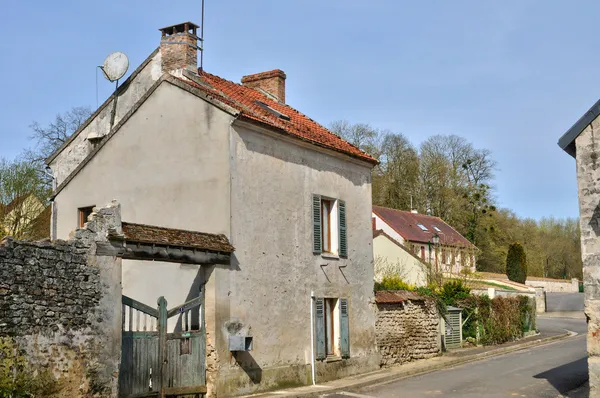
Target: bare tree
49, 138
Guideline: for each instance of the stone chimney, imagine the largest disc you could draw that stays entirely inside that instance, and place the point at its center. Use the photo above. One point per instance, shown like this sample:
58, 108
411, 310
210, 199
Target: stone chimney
179, 47
273, 82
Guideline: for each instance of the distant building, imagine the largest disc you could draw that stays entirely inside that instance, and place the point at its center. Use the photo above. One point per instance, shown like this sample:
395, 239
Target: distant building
453, 254
25, 217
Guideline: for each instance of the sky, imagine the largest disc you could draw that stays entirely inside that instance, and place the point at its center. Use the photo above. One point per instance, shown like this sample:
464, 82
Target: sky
509, 76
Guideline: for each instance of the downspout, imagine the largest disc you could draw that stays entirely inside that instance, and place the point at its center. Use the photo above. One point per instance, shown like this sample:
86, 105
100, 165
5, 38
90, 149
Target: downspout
49, 173
312, 338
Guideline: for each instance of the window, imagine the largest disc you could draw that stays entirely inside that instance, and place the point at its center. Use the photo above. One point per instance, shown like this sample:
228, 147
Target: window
331, 328
326, 209
437, 229
443, 256
83, 214
422, 252
329, 226
423, 227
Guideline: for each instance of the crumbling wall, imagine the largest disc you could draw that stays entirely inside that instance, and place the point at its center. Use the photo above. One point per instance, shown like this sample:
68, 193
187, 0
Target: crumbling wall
61, 304
407, 331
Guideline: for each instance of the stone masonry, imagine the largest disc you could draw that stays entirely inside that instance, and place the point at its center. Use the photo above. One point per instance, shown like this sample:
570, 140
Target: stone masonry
60, 302
407, 330
588, 179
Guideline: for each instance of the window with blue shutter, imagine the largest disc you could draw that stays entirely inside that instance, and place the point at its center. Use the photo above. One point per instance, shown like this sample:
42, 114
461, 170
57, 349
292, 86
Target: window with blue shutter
320, 349
344, 329
317, 238
343, 252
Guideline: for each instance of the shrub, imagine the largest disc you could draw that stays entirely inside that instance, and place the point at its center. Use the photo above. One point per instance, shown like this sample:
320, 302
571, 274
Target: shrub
17, 378
516, 263
393, 282
454, 291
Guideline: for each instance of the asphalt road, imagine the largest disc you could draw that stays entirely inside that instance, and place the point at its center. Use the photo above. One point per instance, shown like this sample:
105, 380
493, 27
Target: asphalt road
564, 302
546, 371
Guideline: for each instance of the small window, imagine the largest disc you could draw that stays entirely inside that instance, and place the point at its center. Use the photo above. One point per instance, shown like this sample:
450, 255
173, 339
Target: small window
422, 252
423, 227
437, 229
84, 213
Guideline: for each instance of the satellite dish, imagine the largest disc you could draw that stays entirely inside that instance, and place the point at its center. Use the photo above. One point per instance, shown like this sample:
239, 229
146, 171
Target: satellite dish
115, 66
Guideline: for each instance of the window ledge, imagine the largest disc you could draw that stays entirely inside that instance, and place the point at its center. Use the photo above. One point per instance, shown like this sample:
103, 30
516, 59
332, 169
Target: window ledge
333, 358
330, 256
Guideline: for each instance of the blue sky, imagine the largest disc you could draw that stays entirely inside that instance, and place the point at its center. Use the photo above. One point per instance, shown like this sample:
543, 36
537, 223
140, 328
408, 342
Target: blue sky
510, 76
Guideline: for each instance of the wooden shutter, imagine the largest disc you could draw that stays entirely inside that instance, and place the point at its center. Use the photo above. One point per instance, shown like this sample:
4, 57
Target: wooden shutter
316, 210
343, 234
344, 329
321, 352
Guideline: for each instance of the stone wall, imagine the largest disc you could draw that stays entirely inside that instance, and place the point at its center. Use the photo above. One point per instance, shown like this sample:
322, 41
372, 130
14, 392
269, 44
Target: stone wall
556, 286
60, 303
588, 181
407, 330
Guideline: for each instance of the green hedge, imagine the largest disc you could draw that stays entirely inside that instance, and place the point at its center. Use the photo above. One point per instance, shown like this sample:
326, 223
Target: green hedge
498, 320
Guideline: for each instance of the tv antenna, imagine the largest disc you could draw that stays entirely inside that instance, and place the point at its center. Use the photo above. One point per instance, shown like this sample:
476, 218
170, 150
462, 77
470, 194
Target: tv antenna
114, 67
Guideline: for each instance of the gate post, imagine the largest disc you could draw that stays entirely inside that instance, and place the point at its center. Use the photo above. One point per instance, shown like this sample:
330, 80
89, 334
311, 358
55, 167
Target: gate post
162, 343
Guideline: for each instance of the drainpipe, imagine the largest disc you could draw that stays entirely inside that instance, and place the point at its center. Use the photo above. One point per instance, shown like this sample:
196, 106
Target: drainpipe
48, 172
312, 338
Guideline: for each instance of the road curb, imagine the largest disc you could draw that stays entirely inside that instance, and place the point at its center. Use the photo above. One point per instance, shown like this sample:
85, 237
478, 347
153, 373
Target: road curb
388, 378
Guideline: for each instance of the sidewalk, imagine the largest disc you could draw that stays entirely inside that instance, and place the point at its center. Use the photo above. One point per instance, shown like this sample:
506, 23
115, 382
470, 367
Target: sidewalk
449, 359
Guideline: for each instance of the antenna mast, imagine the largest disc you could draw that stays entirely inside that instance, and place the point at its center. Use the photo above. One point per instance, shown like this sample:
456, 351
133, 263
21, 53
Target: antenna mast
202, 40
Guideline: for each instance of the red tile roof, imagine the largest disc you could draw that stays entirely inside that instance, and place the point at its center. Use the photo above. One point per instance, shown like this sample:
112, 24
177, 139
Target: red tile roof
406, 224
243, 99
176, 237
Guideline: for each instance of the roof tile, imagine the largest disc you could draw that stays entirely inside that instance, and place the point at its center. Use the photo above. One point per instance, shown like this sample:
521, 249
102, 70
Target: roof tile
176, 237
406, 224
244, 99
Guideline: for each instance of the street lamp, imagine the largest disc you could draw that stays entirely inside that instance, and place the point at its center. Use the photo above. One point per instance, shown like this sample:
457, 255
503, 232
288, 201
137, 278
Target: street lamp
436, 240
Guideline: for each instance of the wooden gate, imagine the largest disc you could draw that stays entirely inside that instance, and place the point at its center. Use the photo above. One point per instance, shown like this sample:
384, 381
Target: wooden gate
155, 363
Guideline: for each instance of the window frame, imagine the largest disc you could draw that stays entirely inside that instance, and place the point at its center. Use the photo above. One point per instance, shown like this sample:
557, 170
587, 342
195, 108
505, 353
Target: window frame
83, 213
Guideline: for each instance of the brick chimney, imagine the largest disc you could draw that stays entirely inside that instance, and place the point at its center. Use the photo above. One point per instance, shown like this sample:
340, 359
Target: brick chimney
179, 47
273, 82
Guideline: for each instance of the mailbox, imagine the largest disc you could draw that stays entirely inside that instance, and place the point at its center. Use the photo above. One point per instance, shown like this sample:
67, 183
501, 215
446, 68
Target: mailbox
240, 343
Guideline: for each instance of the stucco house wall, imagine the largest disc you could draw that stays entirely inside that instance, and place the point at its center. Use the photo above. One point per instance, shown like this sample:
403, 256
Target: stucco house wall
392, 259
273, 180
178, 162
159, 167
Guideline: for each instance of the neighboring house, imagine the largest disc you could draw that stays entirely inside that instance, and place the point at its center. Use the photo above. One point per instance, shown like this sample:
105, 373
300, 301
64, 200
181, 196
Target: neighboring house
581, 142
184, 149
453, 254
391, 258
22, 218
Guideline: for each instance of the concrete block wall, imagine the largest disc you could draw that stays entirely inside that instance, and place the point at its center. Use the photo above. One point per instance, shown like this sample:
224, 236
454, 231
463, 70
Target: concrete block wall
407, 331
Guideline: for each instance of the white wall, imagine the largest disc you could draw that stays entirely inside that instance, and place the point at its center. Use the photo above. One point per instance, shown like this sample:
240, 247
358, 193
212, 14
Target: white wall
390, 259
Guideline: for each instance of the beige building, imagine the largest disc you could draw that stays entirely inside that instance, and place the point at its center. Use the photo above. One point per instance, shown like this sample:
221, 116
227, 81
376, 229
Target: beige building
391, 258
181, 148
436, 243
25, 217
580, 141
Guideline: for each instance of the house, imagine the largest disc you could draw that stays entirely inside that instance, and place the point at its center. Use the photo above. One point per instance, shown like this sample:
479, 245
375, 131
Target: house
392, 258
430, 238
187, 151
22, 218
580, 141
